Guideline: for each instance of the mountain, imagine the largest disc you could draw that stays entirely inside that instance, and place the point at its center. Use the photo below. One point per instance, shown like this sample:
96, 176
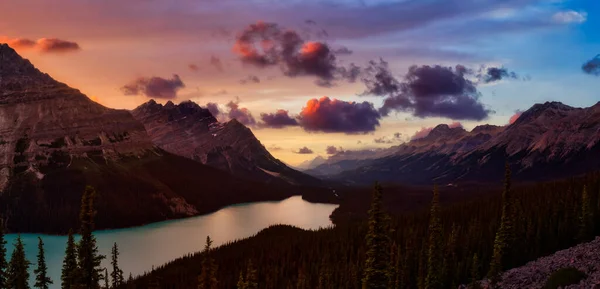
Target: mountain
549, 140
311, 164
191, 131
54, 141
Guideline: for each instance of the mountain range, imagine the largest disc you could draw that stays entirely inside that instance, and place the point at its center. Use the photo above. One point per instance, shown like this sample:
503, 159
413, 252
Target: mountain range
54, 141
549, 140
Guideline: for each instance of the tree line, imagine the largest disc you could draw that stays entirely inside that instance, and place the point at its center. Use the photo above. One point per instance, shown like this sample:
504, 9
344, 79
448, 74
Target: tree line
81, 265
443, 247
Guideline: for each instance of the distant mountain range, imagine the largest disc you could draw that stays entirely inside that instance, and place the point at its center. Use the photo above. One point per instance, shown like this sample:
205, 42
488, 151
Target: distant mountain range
550, 140
54, 141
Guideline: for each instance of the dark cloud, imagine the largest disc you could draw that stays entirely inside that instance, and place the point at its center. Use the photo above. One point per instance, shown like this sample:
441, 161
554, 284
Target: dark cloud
427, 91
57, 45
250, 79
332, 150
343, 50
332, 115
193, 67
155, 87
310, 22
266, 44
44, 45
279, 119
397, 137
304, 151
493, 74
592, 66
213, 108
241, 114
216, 63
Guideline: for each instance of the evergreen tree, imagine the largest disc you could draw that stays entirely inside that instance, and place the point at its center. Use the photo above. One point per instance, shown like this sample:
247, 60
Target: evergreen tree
241, 284
117, 274
69, 268
3, 263
42, 280
18, 274
504, 233
475, 273
301, 282
208, 276
586, 218
377, 263
251, 277
89, 259
106, 285
435, 254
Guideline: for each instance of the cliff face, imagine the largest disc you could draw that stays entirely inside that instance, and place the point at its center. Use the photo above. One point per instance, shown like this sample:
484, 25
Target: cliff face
54, 141
191, 131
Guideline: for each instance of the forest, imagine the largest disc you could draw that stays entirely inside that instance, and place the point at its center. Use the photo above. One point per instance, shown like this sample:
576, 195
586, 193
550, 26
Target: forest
442, 247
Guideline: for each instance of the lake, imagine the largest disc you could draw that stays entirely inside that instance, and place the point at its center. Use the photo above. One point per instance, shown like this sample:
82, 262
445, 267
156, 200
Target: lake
155, 244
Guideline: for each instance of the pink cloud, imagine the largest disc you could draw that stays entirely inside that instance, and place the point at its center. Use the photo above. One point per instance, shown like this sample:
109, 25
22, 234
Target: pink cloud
515, 117
423, 132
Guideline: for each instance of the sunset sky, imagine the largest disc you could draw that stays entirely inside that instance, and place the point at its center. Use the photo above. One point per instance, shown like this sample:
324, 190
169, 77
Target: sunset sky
278, 65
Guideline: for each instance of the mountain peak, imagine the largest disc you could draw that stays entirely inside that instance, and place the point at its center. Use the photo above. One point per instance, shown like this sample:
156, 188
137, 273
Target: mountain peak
444, 130
548, 108
18, 74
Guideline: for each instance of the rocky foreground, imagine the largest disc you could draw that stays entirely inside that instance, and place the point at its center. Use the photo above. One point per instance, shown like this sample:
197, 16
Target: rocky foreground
585, 257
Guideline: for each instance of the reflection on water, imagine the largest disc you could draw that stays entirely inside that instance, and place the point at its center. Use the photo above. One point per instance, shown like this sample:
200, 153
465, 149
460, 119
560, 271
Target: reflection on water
155, 244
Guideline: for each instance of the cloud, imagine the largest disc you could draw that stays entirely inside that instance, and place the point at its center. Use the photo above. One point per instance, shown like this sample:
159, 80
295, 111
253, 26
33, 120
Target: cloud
213, 108
216, 63
455, 124
265, 44
494, 74
250, 79
592, 66
241, 114
332, 115
220, 92
343, 51
193, 67
304, 151
423, 132
569, 16
155, 87
279, 119
274, 148
397, 137
332, 150
515, 116
44, 45
426, 91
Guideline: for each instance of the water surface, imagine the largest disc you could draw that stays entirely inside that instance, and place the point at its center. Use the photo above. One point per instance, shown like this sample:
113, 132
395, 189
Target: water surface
157, 243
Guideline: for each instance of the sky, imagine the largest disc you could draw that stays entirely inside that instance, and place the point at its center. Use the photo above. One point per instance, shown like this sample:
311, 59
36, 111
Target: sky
314, 77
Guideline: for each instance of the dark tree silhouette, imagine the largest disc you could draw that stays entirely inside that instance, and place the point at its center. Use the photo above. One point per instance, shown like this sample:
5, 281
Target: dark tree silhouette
69, 268
42, 280
378, 243
89, 259
18, 274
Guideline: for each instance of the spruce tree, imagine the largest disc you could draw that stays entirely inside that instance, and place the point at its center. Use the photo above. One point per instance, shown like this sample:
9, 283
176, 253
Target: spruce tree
376, 273
3, 263
117, 274
106, 285
241, 284
586, 218
475, 273
89, 259
504, 233
208, 276
18, 274
251, 278
42, 280
69, 267
435, 253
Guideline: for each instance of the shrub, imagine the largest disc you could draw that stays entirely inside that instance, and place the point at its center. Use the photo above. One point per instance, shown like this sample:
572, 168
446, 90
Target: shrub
563, 277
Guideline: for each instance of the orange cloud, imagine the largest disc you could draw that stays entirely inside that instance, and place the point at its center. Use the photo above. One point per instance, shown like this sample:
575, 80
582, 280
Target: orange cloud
515, 117
44, 45
455, 124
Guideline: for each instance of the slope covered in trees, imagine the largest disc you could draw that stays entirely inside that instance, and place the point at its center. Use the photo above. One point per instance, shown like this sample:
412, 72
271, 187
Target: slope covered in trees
546, 217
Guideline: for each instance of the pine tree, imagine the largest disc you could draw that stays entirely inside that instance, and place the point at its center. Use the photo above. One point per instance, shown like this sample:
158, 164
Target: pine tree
69, 268
475, 273
208, 276
504, 233
378, 255
301, 282
106, 285
117, 274
586, 218
89, 260
18, 274
241, 284
42, 280
435, 254
251, 278
3, 263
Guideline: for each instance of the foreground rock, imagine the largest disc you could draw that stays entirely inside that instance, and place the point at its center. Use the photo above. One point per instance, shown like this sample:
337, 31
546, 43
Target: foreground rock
584, 257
